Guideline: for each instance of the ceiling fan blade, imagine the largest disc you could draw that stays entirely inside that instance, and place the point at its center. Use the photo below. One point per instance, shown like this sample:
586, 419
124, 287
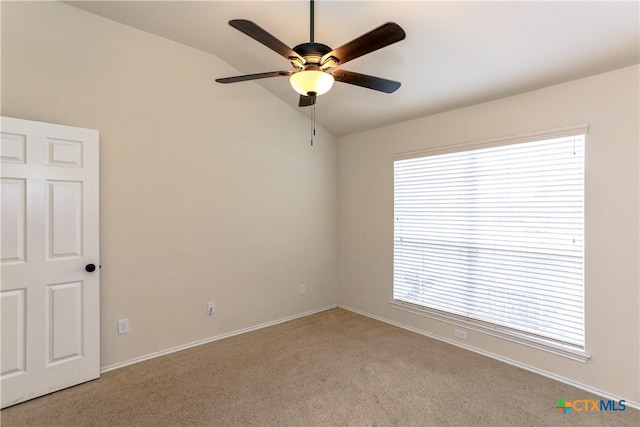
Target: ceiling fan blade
262, 36
306, 101
382, 36
254, 76
363, 80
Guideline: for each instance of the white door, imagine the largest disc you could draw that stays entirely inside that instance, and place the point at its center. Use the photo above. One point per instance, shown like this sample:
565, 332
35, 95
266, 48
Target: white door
50, 231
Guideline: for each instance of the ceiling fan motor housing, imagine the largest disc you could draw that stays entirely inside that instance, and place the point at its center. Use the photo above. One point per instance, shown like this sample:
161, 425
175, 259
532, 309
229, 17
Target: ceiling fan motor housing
312, 54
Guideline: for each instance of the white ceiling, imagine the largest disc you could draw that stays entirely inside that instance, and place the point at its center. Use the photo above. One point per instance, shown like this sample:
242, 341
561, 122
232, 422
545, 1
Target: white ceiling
456, 53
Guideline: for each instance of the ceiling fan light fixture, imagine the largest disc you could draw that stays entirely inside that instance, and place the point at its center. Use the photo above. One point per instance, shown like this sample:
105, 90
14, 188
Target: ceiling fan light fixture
311, 81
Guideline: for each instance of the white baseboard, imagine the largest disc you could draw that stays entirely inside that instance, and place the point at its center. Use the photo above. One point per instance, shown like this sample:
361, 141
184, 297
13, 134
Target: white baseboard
211, 339
608, 396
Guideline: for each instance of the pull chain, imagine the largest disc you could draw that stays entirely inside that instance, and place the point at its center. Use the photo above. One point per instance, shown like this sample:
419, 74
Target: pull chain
313, 123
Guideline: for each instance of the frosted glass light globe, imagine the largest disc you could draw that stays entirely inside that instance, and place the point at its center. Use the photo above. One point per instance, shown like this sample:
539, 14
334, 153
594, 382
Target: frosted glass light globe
311, 81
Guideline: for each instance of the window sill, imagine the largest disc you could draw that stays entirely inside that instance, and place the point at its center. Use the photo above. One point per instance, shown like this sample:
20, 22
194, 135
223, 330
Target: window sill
512, 336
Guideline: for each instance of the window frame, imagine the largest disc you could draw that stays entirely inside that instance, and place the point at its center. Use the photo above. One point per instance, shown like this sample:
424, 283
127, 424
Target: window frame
486, 328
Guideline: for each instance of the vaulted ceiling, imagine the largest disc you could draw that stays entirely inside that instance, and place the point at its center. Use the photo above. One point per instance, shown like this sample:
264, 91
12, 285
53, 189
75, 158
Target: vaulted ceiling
455, 54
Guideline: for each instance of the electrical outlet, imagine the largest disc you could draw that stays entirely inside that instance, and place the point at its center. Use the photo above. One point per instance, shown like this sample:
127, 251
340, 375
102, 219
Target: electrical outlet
211, 308
459, 333
303, 289
123, 326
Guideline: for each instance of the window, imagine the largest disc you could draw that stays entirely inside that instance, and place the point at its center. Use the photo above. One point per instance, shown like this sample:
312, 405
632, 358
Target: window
495, 236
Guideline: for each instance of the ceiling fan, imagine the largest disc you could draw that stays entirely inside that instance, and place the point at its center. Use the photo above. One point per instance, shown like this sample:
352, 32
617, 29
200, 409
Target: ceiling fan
315, 63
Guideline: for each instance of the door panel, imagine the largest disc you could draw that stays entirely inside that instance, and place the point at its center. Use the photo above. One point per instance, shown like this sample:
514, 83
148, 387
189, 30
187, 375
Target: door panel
65, 153
50, 304
64, 303
65, 219
14, 216
13, 148
13, 332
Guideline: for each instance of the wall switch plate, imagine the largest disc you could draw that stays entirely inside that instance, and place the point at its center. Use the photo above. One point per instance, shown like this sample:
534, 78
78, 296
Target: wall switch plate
303, 289
123, 326
211, 308
459, 333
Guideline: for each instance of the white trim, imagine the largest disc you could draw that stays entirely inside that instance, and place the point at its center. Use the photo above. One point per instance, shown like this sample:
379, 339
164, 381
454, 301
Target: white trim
513, 336
496, 142
604, 394
211, 339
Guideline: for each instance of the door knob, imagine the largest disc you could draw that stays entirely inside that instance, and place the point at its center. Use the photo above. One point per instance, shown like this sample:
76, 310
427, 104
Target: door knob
90, 268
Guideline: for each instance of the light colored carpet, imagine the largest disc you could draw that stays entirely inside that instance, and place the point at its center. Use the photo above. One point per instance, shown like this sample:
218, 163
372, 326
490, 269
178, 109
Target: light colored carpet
335, 368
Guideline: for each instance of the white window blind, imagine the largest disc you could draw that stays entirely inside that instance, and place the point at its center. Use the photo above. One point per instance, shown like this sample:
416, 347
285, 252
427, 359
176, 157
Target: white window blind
495, 235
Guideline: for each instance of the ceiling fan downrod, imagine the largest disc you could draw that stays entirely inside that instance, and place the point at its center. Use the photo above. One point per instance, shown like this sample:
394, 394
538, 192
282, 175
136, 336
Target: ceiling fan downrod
311, 19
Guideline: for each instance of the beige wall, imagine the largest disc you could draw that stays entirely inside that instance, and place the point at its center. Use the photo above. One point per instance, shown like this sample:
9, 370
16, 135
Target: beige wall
609, 104
208, 192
